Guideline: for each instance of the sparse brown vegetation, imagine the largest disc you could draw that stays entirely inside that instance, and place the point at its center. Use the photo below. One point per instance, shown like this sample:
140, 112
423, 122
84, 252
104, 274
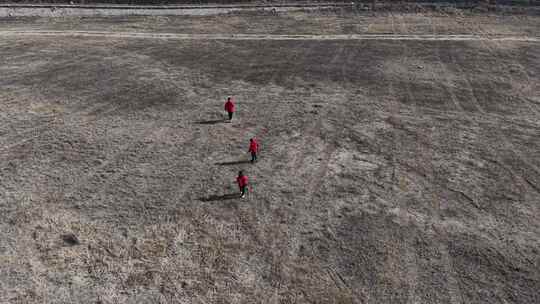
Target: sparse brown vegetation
391, 171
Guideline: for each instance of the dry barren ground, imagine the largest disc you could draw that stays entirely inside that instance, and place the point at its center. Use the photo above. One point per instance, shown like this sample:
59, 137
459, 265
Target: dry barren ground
391, 171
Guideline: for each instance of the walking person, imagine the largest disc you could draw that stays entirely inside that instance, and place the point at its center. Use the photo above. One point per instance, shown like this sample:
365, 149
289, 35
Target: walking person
242, 181
254, 149
229, 108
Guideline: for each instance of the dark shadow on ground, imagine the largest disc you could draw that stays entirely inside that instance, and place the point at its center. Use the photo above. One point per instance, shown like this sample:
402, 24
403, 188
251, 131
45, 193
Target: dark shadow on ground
211, 122
223, 197
238, 162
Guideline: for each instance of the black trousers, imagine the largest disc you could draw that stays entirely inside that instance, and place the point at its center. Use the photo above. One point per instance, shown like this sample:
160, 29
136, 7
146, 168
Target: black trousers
253, 156
230, 115
243, 190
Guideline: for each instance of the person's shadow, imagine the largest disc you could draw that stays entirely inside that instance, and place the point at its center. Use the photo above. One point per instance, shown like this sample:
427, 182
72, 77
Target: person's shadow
211, 122
232, 163
222, 197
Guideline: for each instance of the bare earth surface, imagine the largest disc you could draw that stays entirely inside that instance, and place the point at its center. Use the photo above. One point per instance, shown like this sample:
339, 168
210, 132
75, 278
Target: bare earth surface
391, 171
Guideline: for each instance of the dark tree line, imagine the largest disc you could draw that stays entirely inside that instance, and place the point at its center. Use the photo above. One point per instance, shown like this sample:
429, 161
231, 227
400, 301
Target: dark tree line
366, 2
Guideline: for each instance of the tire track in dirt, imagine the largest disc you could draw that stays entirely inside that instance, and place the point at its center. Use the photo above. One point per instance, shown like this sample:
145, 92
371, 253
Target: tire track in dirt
312, 128
443, 248
187, 141
74, 119
80, 118
406, 54
293, 58
268, 132
392, 23
432, 186
71, 119
316, 183
449, 269
411, 255
180, 36
317, 180
453, 287
247, 217
115, 157
453, 284
183, 88
151, 130
507, 68
507, 143
405, 217
316, 128
329, 152
158, 129
529, 86
305, 49
445, 81
42, 129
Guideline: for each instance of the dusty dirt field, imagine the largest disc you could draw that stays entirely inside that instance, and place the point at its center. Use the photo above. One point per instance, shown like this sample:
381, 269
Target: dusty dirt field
318, 22
391, 171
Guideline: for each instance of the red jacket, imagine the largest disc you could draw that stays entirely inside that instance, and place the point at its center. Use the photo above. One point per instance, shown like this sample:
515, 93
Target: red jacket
229, 106
242, 181
253, 146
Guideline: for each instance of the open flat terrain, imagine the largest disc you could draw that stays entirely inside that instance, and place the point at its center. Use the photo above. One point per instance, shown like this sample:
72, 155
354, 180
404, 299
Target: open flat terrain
391, 170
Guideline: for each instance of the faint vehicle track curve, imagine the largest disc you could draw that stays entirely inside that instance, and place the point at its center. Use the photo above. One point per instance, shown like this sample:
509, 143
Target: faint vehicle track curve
180, 36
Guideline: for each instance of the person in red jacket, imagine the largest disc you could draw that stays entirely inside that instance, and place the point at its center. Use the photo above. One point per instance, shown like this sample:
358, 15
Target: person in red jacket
229, 108
253, 148
242, 181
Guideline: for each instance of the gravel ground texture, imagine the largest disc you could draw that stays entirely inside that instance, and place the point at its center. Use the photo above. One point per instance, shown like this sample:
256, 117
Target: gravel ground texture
391, 170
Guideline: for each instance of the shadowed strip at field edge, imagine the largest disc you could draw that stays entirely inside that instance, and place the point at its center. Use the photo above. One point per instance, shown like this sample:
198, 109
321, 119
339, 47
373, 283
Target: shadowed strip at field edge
180, 36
